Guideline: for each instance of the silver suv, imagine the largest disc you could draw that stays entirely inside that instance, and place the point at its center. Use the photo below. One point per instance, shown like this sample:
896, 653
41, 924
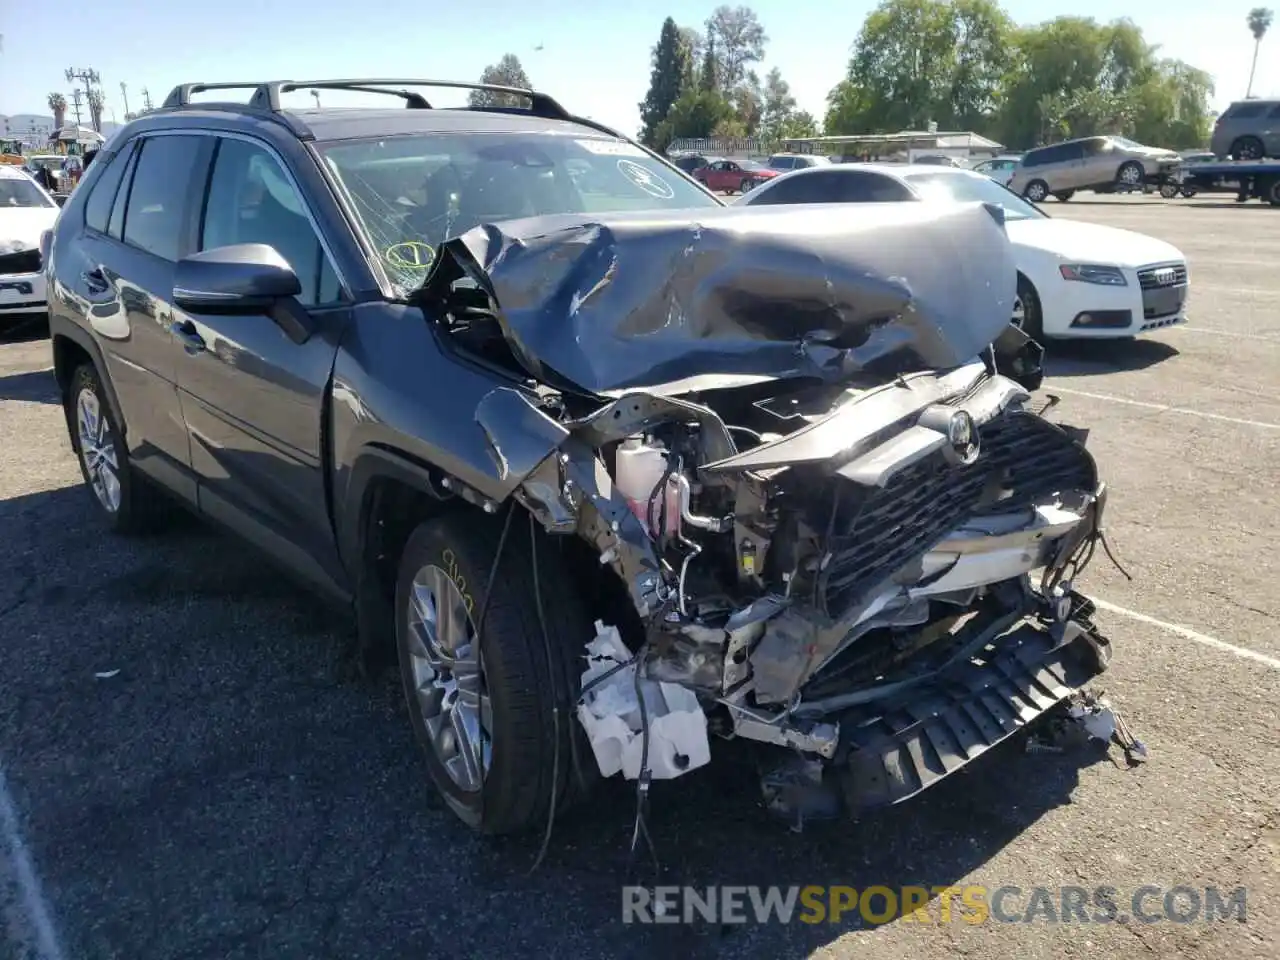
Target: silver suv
1248, 130
1095, 163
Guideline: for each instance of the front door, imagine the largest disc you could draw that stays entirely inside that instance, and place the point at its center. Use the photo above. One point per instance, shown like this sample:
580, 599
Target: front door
253, 399
136, 229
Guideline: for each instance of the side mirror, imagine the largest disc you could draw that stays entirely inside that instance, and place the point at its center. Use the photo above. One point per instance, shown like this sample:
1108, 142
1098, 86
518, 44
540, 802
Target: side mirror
243, 279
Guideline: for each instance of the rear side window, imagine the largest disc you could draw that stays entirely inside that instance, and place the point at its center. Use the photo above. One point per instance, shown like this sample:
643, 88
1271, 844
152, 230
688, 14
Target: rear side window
97, 209
801, 188
157, 207
1246, 111
869, 188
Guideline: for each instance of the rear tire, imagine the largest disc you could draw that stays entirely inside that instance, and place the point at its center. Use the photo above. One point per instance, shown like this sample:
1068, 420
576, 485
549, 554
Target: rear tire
1063, 196
1247, 148
518, 687
1036, 191
1168, 190
1271, 192
126, 502
1188, 192
746, 185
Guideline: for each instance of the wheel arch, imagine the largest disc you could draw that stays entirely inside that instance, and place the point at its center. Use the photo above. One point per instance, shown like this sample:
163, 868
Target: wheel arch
73, 347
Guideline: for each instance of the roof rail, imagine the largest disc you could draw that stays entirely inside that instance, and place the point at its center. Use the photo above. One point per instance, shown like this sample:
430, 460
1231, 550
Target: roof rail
266, 94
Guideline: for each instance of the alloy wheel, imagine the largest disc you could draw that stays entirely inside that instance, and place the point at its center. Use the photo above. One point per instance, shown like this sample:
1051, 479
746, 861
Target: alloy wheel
98, 451
449, 678
1130, 175
1019, 318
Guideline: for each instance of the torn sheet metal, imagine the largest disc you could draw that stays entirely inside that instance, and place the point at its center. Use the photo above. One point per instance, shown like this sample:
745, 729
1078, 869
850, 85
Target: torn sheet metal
679, 301
611, 714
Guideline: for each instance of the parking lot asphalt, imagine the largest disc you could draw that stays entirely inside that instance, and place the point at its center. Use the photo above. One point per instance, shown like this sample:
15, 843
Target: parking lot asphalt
188, 770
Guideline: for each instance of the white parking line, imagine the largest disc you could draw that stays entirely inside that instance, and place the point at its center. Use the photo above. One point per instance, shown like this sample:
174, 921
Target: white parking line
25, 875
1189, 634
1161, 407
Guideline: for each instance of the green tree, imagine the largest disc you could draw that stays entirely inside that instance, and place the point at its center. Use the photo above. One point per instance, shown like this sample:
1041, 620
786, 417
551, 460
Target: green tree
1259, 21
507, 72
739, 44
698, 113
778, 105
709, 74
848, 110
920, 60
667, 78
799, 124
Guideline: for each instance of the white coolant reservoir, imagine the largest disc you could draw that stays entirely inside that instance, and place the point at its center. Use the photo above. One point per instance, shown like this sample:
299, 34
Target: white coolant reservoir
640, 469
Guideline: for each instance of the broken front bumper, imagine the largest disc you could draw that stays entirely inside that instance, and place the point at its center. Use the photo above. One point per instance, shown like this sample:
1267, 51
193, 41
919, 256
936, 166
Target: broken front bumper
893, 747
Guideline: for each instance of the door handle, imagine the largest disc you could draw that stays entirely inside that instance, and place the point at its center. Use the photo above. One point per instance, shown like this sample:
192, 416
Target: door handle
188, 336
95, 280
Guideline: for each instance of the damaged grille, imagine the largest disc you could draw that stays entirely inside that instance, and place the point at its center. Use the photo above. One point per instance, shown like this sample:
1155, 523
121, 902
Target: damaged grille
1024, 459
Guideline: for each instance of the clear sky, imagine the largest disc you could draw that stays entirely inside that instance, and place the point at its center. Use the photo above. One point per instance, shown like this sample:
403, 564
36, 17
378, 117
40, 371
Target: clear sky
594, 56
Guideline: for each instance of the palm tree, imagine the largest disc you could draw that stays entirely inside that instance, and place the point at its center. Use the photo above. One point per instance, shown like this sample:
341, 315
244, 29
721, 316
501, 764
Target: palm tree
58, 104
1259, 20
96, 102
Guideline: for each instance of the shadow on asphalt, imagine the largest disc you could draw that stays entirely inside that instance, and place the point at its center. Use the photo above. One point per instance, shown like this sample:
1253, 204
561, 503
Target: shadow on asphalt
1088, 358
24, 329
241, 794
36, 386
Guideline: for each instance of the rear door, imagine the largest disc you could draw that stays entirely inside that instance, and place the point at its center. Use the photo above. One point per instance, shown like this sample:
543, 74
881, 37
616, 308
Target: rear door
1270, 133
254, 400
137, 226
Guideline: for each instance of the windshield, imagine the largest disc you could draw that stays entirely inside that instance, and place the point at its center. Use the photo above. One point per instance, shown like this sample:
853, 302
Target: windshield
419, 191
967, 188
752, 165
21, 193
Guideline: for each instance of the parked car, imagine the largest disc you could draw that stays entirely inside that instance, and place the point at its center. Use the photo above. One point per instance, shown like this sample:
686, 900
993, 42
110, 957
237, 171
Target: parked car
999, 169
937, 160
783, 162
26, 212
733, 176
689, 162
1101, 164
399, 353
1247, 130
1075, 279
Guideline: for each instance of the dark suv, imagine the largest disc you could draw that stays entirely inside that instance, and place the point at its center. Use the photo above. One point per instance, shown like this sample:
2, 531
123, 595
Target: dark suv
486, 376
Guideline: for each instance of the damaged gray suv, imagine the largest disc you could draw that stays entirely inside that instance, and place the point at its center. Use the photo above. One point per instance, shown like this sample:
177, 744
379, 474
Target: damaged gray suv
613, 470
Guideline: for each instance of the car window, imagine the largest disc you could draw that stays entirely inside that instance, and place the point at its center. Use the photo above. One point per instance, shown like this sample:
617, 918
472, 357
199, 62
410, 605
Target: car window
252, 200
1034, 158
1091, 148
797, 188
115, 226
960, 187
1275, 113
158, 195
869, 188
424, 189
21, 192
1246, 111
97, 209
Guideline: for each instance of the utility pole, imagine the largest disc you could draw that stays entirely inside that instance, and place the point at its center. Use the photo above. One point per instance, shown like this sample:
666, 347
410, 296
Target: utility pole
89, 76
146, 100
75, 103
124, 93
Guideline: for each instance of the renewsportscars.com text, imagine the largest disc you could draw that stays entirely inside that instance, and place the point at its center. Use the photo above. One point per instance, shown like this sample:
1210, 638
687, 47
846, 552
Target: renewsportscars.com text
916, 904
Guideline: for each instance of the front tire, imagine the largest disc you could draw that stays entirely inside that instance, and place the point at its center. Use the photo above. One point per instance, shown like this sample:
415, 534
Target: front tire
1062, 196
124, 500
1036, 191
1168, 190
1131, 174
1027, 315
492, 714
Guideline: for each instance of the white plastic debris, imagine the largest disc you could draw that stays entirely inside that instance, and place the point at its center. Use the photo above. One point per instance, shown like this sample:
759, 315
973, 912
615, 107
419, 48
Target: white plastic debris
611, 715
106, 674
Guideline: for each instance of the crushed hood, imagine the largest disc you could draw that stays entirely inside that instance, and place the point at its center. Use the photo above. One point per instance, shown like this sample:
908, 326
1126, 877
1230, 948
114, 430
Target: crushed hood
678, 301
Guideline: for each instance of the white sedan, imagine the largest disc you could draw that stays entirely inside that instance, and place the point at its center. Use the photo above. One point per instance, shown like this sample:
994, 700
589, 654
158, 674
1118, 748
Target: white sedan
26, 211
1075, 279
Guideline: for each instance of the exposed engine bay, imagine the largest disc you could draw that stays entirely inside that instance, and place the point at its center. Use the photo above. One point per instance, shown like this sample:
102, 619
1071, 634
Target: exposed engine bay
858, 546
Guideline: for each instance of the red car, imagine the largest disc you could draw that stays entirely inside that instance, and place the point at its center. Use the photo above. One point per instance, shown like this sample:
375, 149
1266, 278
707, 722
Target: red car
730, 176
